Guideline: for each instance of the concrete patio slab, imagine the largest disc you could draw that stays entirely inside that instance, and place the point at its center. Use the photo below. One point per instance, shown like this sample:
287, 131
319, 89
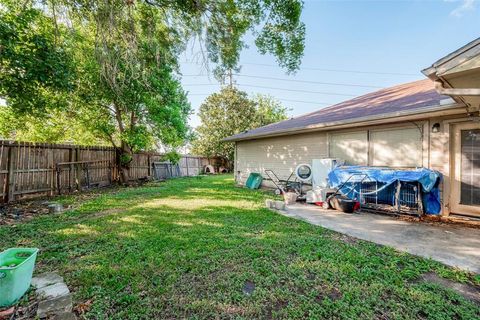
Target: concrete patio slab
452, 245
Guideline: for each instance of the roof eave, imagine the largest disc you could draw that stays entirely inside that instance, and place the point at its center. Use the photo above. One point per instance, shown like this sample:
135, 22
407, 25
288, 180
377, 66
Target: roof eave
433, 72
431, 111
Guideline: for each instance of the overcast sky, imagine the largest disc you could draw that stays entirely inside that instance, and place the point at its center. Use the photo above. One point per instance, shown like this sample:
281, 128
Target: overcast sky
356, 46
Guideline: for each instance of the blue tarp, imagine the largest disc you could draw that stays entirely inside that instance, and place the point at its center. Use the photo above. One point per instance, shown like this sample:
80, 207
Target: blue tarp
388, 177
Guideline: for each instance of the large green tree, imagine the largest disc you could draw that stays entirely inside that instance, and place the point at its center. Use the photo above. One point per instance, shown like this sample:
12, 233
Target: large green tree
269, 110
118, 59
230, 112
36, 67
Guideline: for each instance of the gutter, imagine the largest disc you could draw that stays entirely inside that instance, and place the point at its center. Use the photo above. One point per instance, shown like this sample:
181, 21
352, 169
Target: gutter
456, 92
426, 112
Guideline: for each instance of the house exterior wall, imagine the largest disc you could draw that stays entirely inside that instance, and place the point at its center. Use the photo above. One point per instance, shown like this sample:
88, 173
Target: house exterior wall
280, 154
283, 153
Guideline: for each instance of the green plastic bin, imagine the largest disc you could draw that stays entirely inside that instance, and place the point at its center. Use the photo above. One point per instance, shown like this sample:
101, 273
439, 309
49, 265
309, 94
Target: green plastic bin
16, 269
254, 180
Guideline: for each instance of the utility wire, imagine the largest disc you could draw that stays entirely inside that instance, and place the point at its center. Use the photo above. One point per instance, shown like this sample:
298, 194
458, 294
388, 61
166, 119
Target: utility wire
287, 100
274, 88
296, 90
300, 81
306, 81
338, 70
327, 69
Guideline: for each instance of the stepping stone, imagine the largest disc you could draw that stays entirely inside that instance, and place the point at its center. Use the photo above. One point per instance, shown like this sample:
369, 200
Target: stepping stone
54, 297
55, 307
64, 316
46, 279
53, 291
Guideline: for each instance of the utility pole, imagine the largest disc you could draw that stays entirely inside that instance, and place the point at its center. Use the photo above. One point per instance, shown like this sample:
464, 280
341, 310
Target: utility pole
228, 79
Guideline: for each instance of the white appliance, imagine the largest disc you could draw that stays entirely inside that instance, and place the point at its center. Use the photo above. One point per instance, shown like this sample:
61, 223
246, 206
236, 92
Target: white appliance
320, 170
303, 172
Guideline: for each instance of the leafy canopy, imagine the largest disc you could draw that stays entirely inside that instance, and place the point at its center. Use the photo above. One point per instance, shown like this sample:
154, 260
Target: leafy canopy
231, 112
35, 66
112, 66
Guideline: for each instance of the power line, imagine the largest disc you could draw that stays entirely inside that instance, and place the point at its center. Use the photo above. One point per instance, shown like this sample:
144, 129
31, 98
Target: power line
299, 81
311, 102
274, 88
304, 91
287, 100
315, 82
328, 69
338, 70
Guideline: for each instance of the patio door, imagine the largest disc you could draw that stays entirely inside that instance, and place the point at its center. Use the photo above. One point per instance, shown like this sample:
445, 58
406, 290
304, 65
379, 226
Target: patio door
465, 197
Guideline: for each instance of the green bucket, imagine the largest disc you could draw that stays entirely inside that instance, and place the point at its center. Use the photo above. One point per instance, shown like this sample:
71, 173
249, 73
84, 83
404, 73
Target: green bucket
16, 269
254, 180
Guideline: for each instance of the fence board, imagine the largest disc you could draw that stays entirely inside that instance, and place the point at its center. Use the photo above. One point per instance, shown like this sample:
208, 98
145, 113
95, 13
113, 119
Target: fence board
39, 169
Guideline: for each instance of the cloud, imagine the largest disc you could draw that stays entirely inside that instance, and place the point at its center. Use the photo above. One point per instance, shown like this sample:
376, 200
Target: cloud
465, 6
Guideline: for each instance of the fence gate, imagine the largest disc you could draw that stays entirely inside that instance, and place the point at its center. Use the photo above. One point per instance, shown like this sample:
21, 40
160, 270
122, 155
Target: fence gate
165, 170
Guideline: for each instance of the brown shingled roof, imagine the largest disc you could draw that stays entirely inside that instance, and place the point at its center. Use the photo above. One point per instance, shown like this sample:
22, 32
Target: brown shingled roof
406, 97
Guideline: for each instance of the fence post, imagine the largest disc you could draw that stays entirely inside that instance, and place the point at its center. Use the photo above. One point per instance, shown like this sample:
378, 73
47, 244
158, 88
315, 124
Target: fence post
186, 160
87, 174
12, 152
149, 166
78, 178
59, 186
71, 172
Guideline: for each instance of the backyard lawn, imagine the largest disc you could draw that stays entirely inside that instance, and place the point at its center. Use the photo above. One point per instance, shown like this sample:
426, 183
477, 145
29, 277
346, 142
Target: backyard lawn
202, 248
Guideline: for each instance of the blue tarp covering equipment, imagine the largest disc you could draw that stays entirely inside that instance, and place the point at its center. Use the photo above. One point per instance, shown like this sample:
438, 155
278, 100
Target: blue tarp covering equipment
386, 180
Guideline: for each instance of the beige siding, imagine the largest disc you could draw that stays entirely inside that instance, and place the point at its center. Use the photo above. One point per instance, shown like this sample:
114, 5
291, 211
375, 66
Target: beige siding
350, 146
396, 148
281, 154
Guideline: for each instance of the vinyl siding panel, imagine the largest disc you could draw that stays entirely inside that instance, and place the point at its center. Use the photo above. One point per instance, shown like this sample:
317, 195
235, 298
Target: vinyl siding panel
280, 154
396, 148
350, 146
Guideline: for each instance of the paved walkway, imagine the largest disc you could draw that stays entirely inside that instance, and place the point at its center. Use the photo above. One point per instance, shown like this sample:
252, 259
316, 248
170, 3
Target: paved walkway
452, 245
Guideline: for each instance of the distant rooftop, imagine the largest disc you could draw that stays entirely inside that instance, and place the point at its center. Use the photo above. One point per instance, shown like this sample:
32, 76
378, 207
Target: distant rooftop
412, 96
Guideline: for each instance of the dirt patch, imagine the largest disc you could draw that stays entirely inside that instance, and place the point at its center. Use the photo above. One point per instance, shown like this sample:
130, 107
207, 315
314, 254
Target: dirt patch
276, 307
331, 293
467, 291
346, 239
25, 309
23, 211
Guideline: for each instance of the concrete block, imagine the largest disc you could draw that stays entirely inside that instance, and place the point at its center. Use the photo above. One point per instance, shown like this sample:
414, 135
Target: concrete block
53, 291
64, 316
55, 207
55, 306
46, 279
279, 205
269, 203
290, 197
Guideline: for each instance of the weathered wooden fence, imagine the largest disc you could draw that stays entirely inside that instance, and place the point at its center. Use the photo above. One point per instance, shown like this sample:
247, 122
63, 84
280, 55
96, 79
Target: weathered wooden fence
40, 169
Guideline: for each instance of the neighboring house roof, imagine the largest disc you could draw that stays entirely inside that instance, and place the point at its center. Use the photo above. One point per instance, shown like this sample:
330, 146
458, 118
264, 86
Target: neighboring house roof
412, 97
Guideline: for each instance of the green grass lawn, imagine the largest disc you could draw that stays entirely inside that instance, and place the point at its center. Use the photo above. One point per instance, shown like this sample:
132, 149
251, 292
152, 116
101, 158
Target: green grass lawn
190, 247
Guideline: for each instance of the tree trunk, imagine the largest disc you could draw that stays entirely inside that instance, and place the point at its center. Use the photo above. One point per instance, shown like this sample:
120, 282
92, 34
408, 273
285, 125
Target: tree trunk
124, 158
124, 152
